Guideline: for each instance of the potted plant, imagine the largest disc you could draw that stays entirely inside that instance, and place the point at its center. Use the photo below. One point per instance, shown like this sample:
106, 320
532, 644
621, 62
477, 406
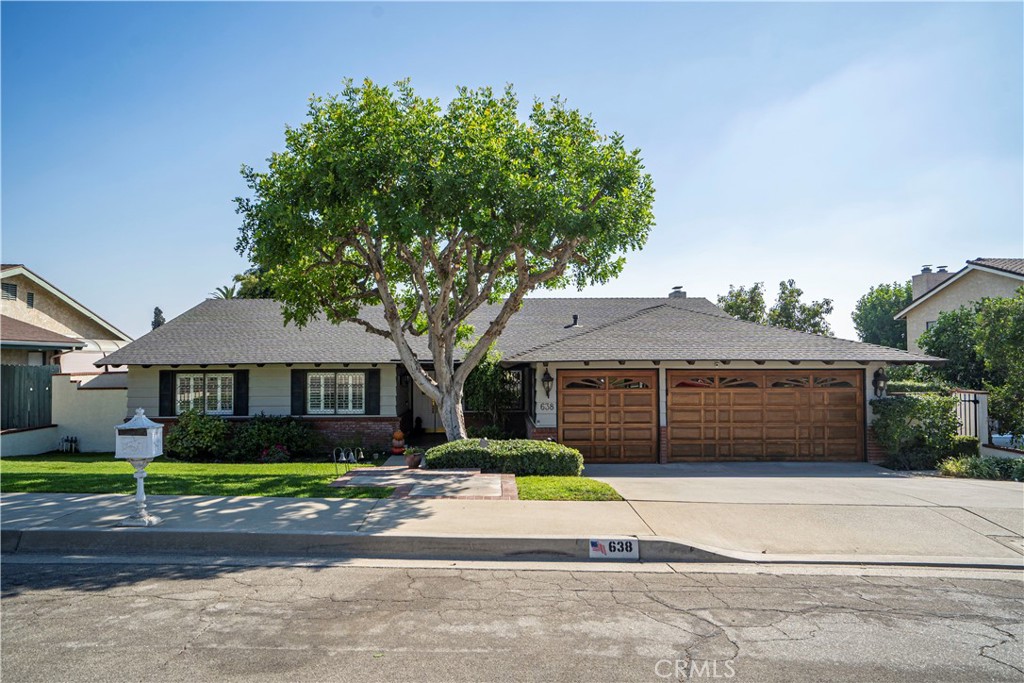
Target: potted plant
413, 457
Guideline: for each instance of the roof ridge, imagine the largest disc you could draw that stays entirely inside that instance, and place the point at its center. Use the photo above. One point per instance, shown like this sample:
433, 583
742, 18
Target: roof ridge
809, 334
631, 316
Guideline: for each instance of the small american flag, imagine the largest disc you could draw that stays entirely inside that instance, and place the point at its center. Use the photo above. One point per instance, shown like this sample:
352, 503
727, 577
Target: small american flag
599, 547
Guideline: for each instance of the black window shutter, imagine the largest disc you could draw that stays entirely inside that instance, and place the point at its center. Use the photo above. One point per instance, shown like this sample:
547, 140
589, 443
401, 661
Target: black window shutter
241, 393
372, 392
166, 393
299, 392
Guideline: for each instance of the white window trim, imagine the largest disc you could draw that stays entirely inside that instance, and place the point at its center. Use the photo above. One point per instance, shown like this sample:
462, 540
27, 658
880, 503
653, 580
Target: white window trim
204, 378
340, 378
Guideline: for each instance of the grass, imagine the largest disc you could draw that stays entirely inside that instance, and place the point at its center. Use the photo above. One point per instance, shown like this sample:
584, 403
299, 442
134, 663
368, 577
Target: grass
564, 488
61, 473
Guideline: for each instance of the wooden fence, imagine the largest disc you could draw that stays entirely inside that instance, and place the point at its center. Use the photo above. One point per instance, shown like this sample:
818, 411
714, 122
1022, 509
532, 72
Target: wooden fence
25, 395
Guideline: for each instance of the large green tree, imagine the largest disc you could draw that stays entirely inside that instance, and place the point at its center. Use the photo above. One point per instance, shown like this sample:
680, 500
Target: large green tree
874, 315
748, 303
954, 337
385, 197
1000, 343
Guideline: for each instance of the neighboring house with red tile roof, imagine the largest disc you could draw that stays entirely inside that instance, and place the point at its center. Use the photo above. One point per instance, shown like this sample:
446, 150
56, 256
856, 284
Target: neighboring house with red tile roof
939, 291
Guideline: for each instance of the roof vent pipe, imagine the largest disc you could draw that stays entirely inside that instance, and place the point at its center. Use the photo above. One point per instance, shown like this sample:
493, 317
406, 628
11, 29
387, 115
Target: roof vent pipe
575, 321
677, 293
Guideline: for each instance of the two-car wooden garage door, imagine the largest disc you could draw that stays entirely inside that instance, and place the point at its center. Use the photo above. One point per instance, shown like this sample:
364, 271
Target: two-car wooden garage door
777, 415
612, 416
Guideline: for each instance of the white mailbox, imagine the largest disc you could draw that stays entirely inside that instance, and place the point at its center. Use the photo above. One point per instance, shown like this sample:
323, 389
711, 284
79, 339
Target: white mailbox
139, 441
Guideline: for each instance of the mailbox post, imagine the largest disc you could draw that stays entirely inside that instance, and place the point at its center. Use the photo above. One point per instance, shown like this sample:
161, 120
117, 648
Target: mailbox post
139, 441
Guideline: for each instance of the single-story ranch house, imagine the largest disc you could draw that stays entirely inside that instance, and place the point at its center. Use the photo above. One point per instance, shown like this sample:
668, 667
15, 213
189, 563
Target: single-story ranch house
623, 380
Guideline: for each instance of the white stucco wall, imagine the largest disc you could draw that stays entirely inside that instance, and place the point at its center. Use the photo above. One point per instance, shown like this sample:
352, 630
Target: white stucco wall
90, 415
270, 387
28, 442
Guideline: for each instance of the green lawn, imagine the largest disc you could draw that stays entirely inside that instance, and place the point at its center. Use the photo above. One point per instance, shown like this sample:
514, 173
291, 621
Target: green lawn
62, 473
564, 488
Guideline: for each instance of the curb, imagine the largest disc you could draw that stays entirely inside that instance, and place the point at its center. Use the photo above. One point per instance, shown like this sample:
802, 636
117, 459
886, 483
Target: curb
42, 540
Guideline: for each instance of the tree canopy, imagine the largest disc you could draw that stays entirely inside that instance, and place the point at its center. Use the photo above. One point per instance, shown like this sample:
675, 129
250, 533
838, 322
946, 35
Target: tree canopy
983, 345
748, 303
385, 197
158, 318
873, 316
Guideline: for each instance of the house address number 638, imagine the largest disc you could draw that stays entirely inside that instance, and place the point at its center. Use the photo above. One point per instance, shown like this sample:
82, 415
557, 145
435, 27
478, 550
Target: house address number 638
547, 406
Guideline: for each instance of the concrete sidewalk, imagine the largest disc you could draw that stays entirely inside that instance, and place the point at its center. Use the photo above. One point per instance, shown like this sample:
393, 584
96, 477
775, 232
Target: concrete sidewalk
668, 531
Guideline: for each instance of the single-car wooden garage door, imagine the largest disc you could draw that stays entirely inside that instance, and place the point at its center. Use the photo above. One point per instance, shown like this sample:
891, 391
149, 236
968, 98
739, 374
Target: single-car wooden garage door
609, 415
772, 415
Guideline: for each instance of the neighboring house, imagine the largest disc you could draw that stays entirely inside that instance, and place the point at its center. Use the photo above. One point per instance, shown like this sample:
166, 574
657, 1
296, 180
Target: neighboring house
623, 380
49, 343
940, 291
43, 325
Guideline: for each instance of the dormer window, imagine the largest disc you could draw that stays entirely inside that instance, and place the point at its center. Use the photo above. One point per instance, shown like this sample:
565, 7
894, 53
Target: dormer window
10, 291
30, 299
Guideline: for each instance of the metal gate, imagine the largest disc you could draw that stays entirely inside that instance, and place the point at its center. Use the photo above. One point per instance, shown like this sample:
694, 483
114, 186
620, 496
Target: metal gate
967, 413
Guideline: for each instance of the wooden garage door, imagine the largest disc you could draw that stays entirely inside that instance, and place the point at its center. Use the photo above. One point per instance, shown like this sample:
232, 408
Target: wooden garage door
772, 415
610, 416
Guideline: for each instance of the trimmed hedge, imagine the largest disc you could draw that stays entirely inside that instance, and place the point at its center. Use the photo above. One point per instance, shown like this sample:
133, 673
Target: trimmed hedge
521, 457
965, 445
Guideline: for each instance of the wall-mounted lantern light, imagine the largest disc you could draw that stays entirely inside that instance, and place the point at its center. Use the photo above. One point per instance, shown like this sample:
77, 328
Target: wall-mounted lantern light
880, 381
548, 381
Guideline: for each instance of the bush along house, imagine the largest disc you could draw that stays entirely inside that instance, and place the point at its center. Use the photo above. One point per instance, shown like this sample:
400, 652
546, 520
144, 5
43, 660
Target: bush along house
623, 380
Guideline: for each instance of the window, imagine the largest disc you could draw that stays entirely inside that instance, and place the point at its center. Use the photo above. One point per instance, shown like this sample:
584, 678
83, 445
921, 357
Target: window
335, 393
928, 325
208, 392
10, 291
30, 299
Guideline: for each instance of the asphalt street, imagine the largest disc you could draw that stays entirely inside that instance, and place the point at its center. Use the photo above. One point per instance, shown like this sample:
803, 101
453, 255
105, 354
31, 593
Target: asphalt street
105, 621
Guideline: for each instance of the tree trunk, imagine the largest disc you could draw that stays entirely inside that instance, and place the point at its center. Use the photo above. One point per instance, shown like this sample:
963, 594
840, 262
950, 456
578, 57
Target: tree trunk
451, 412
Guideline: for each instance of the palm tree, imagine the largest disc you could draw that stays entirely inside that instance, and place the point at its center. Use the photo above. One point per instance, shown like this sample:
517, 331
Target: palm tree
225, 292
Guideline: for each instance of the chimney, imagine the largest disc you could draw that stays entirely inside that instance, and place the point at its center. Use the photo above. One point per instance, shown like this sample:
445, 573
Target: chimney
677, 293
927, 280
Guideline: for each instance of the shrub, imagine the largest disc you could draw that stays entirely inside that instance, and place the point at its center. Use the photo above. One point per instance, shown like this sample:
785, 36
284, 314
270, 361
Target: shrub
909, 386
488, 431
197, 436
982, 468
957, 466
1017, 469
965, 445
252, 438
273, 454
521, 457
915, 429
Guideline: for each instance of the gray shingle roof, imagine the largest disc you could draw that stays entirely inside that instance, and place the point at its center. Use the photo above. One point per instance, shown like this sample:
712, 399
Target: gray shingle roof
1008, 265
252, 331
666, 332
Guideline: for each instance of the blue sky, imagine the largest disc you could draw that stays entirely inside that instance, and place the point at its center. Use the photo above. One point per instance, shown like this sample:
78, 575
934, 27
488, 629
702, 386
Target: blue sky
841, 145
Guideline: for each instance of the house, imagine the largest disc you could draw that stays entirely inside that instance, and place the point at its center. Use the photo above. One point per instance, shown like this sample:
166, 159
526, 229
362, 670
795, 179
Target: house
42, 325
624, 380
52, 391
935, 292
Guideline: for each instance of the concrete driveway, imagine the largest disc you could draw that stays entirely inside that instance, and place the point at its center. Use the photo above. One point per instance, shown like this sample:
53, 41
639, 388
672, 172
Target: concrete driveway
823, 508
